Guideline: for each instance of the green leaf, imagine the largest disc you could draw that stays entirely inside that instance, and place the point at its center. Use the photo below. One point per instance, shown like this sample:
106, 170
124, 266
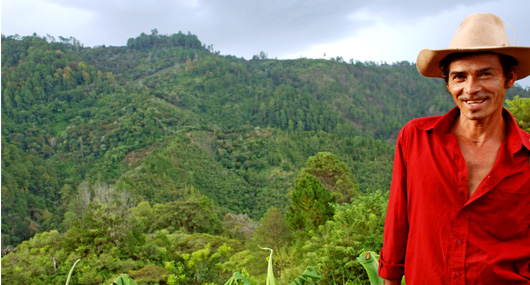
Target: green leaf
370, 262
304, 278
71, 270
237, 279
124, 279
270, 273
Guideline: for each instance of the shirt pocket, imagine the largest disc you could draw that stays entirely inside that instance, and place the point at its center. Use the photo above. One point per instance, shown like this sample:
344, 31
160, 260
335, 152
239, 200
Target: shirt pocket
506, 215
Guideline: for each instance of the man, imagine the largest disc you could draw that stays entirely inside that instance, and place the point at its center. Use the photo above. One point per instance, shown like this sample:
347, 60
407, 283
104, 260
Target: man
459, 206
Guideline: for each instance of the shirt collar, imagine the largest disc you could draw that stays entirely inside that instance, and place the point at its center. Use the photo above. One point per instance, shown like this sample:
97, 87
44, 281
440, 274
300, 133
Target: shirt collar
516, 137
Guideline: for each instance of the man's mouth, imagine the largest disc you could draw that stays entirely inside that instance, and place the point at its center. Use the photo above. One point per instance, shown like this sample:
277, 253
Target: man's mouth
474, 102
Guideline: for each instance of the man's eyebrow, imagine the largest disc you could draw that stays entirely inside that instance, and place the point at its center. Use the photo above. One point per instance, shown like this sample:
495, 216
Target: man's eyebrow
486, 69
458, 72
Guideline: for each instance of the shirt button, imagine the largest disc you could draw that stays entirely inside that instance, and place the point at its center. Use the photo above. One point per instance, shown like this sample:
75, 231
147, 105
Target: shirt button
459, 242
457, 275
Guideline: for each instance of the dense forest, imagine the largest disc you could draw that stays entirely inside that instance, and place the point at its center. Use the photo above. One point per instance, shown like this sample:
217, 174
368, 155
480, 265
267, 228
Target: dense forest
173, 163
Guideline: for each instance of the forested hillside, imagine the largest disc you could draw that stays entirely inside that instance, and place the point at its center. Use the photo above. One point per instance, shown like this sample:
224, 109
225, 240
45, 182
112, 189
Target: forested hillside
171, 162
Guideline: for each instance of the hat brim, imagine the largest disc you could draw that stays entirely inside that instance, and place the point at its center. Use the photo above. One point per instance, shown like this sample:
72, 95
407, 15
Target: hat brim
428, 62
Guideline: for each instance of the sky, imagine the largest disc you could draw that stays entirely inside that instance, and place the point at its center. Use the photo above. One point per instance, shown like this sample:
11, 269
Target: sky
374, 30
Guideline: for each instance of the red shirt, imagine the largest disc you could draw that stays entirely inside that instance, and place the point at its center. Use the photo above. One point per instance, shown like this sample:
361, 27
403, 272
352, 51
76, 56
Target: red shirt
434, 233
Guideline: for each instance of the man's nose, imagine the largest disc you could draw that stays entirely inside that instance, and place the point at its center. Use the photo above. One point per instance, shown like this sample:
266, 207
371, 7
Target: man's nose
473, 85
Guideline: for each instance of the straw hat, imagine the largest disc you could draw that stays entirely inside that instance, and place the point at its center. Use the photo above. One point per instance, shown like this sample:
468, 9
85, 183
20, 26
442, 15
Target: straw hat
477, 33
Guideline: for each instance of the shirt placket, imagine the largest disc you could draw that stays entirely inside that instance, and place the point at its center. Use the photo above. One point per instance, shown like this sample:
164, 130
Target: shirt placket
459, 234
457, 255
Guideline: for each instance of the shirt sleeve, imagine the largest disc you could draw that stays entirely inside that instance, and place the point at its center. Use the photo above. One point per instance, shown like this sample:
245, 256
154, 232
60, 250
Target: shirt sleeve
392, 257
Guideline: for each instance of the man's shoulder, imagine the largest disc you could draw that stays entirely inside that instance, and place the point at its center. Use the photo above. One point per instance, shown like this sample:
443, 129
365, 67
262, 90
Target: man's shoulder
424, 123
518, 133
417, 129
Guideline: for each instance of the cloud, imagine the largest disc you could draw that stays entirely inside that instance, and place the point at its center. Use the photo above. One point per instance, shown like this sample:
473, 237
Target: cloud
376, 30
34, 16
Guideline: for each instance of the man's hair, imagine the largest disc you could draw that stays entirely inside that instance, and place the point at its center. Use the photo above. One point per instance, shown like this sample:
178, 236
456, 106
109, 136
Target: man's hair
508, 63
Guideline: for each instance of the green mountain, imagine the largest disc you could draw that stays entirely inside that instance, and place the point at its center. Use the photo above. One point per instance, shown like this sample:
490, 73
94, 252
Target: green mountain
168, 123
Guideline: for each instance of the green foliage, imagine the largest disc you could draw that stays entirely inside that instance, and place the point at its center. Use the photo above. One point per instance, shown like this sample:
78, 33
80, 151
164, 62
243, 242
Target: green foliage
200, 266
370, 262
149, 274
271, 280
272, 231
124, 279
128, 157
192, 215
71, 270
239, 227
334, 175
237, 279
250, 262
311, 204
28, 184
309, 277
355, 227
520, 109
147, 42
104, 218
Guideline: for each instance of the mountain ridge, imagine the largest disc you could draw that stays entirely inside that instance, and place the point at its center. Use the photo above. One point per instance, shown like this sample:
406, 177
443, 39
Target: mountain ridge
72, 114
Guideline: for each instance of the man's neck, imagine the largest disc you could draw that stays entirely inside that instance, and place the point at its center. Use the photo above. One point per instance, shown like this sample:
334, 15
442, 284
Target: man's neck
479, 132
479, 143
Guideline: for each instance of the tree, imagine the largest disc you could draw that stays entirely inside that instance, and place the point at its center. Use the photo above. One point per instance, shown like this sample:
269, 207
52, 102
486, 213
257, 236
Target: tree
272, 231
238, 226
311, 204
520, 109
334, 174
262, 55
143, 215
355, 228
197, 214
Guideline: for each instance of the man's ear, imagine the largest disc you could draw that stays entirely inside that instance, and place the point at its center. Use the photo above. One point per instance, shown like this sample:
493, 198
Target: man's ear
511, 81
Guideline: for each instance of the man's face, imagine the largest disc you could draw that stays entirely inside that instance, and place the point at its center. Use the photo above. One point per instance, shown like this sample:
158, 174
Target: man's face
478, 86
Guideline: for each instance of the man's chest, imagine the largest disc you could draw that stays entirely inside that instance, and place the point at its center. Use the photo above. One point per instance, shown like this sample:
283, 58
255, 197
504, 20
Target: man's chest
479, 162
441, 178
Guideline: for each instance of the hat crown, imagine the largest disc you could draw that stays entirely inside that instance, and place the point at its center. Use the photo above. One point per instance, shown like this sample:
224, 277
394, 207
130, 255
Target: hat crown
478, 33
480, 30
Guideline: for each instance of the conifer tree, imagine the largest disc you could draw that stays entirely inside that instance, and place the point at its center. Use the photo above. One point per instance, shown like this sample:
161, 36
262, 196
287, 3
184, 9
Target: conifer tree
310, 204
